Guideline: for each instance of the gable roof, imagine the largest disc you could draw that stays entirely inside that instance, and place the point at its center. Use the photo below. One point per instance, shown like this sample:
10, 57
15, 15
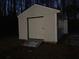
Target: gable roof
39, 9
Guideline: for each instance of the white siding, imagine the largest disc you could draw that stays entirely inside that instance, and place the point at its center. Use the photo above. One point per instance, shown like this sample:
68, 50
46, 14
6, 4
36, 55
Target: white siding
48, 26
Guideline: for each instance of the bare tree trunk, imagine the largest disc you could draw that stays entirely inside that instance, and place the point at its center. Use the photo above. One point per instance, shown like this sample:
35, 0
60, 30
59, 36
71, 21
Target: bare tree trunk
14, 8
1, 8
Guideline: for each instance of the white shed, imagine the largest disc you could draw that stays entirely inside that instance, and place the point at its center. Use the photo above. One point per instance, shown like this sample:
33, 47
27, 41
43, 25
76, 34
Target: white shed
38, 22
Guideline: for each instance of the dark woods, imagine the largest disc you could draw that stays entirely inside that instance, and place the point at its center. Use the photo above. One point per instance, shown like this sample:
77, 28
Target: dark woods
8, 7
8, 19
